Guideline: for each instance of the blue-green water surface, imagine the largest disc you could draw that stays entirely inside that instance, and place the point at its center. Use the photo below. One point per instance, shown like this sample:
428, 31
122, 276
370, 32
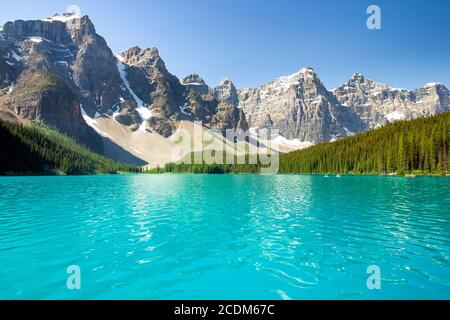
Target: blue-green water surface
224, 237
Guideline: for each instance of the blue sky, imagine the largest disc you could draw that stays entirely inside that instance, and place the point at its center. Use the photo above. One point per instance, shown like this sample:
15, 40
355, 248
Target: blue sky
253, 42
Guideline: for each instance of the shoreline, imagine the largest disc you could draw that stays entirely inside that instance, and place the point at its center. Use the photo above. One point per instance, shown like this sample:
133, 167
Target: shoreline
330, 175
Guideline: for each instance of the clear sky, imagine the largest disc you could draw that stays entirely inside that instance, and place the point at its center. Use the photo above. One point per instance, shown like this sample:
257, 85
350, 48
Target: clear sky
254, 41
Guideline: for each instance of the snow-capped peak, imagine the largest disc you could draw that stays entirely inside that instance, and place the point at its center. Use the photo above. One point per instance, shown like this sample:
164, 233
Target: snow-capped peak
225, 80
432, 84
307, 70
358, 77
193, 80
295, 77
64, 17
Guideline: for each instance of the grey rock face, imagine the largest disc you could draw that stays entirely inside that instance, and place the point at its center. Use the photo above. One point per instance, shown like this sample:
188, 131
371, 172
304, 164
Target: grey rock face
226, 91
298, 106
242, 123
43, 97
215, 114
302, 108
377, 104
52, 31
166, 92
95, 76
163, 91
10, 65
171, 101
227, 116
86, 76
78, 56
195, 84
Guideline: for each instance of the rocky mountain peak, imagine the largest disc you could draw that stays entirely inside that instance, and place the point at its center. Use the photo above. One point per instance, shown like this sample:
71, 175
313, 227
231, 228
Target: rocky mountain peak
67, 46
60, 28
63, 17
132, 55
436, 86
299, 106
304, 75
305, 83
193, 79
376, 103
136, 54
226, 91
148, 58
226, 82
195, 83
358, 77
307, 71
20, 30
358, 82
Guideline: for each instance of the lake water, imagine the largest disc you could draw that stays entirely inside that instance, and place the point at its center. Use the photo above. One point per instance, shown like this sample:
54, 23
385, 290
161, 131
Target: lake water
224, 237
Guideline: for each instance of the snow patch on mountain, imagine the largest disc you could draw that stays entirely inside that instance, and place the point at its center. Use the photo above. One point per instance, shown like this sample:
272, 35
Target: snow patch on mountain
296, 143
395, 116
64, 63
16, 56
36, 39
93, 124
90, 121
184, 109
348, 132
10, 89
123, 75
145, 114
193, 84
116, 111
142, 109
65, 17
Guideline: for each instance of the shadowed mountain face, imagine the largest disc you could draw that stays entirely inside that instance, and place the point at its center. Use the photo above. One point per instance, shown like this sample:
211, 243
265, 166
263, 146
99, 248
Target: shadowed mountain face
133, 88
50, 70
41, 96
59, 71
170, 100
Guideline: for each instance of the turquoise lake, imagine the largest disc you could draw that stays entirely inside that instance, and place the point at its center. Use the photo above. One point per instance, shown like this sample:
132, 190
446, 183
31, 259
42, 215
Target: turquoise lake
224, 237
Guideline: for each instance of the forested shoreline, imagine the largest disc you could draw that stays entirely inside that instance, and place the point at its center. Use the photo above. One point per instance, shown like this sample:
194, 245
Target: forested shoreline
38, 149
419, 147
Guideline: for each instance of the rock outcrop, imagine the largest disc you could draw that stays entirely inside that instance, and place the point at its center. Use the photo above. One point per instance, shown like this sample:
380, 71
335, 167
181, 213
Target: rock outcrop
79, 57
43, 97
299, 106
377, 104
171, 101
226, 91
195, 83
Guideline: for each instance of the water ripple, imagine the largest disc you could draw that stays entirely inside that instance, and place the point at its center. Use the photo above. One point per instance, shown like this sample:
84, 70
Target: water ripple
224, 237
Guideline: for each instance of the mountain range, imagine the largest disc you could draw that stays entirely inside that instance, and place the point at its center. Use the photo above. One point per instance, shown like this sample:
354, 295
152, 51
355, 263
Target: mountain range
129, 107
